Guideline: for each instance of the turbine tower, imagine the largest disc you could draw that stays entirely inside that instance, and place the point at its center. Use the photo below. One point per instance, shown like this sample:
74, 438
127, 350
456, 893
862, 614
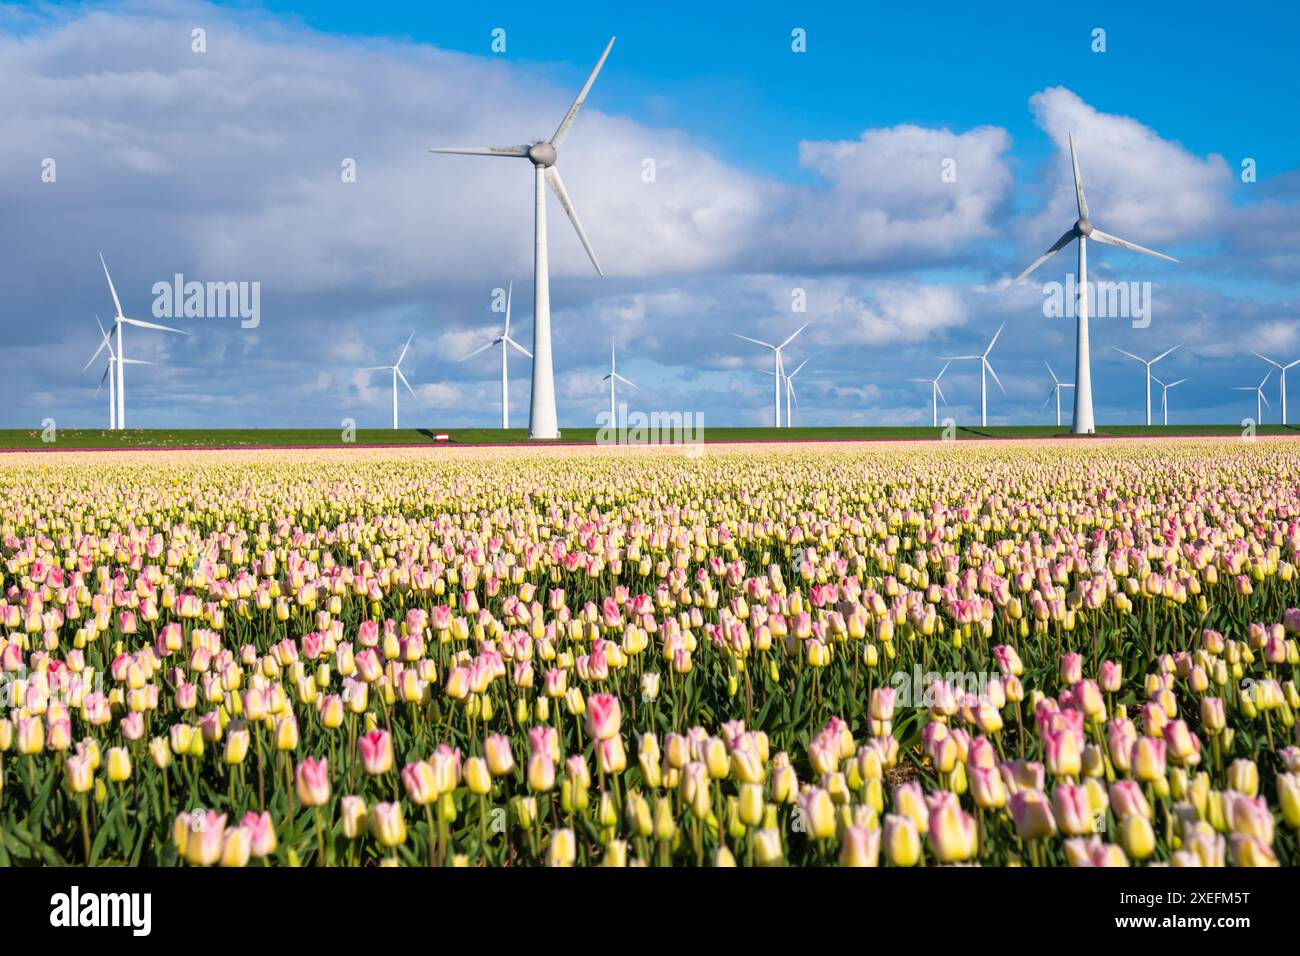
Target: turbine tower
1282, 369
396, 369
503, 340
613, 377
1083, 230
985, 368
1259, 396
119, 356
542, 419
779, 369
1057, 385
1164, 395
936, 393
1148, 364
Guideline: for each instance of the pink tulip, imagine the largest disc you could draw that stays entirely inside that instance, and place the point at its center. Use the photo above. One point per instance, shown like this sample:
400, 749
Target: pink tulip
376, 749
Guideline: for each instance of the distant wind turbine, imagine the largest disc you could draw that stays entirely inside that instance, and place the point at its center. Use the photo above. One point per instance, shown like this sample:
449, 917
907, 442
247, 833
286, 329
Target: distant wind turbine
1057, 385
396, 369
1083, 230
1283, 369
985, 367
1259, 396
613, 377
792, 400
106, 342
1164, 395
1148, 364
936, 393
119, 356
503, 340
542, 419
779, 369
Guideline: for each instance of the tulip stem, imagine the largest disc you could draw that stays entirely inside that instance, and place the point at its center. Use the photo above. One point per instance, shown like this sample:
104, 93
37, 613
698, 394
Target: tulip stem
85, 827
322, 859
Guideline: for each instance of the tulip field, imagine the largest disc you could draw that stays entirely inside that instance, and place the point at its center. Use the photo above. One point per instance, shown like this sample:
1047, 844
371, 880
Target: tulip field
1030, 653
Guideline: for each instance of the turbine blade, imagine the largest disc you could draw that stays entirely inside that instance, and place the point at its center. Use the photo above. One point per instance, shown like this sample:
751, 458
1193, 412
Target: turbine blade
1166, 352
940, 391
102, 345
995, 338
796, 334
941, 371
482, 348
116, 303
1048, 398
1129, 354
520, 347
989, 366
1125, 244
135, 362
563, 129
404, 348
1057, 246
141, 323
557, 186
627, 381
766, 345
1269, 360
1055, 380
1078, 181
103, 378
516, 151
1292, 365
1179, 382
510, 291
406, 383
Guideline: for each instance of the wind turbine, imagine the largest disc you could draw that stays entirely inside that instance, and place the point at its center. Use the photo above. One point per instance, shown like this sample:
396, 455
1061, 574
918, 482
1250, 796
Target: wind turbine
936, 393
613, 377
984, 367
1057, 385
542, 420
503, 340
396, 369
778, 367
1164, 396
1259, 396
119, 356
1283, 369
1148, 364
790, 398
1083, 230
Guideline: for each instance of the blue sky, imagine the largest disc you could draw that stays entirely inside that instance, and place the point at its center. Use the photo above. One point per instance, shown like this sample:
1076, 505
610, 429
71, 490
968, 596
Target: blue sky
777, 171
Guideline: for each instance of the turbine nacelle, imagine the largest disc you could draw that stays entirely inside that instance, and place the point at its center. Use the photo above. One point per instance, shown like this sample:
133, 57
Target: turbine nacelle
1083, 227
542, 154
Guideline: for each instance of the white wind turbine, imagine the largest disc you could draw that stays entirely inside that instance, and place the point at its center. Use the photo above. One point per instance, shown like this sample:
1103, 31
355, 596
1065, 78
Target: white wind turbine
613, 377
1164, 395
106, 342
1148, 365
1259, 396
542, 419
1282, 369
503, 340
778, 368
119, 356
1083, 230
936, 393
985, 367
1057, 385
396, 369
